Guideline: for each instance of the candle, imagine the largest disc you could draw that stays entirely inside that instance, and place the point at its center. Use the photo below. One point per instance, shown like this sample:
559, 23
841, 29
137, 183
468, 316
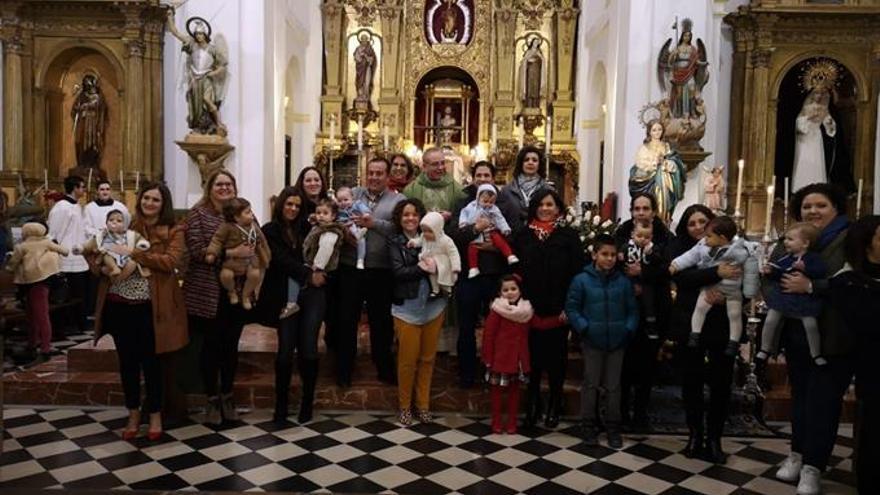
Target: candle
89, 182
360, 141
137, 181
769, 219
522, 131
385, 137
494, 142
859, 199
121, 184
548, 131
785, 194
739, 186
45, 180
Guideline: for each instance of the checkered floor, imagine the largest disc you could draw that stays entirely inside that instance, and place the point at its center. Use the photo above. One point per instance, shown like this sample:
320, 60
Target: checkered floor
16, 343
370, 453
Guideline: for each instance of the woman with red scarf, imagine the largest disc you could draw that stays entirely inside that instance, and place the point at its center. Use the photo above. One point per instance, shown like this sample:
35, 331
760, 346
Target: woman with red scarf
401, 173
550, 254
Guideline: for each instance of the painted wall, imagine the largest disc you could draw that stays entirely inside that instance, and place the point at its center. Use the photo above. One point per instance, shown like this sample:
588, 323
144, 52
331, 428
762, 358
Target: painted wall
262, 35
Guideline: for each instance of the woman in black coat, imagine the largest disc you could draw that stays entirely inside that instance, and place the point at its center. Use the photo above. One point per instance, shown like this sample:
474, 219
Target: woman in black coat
299, 332
855, 291
706, 363
550, 254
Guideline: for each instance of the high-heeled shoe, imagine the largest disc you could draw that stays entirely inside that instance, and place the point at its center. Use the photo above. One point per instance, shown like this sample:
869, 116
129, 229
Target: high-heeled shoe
153, 435
130, 434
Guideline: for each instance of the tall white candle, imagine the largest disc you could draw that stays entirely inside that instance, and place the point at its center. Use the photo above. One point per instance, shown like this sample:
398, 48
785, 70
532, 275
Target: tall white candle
137, 181
121, 184
522, 131
45, 180
739, 186
89, 182
494, 142
859, 199
332, 129
360, 141
547, 146
768, 221
785, 194
385, 137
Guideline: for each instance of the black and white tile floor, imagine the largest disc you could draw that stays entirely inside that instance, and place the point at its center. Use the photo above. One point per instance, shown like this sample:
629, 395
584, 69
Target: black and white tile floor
370, 453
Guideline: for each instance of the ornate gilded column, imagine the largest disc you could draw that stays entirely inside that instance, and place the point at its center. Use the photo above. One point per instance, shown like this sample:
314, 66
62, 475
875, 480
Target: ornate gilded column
13, 105
505, 71
563, 104
334, 54
151, 165
390, 102
134, 97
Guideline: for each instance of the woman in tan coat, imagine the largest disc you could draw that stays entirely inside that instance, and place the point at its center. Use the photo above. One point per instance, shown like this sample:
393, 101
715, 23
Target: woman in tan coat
145, 316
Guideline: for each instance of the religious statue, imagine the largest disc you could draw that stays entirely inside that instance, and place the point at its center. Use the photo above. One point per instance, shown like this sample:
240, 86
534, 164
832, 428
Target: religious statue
447, 126
714, 187
532, 74
205, 76
365, 67
819, 154
89, 114
682, 72
449, 22
449, 32
658, 171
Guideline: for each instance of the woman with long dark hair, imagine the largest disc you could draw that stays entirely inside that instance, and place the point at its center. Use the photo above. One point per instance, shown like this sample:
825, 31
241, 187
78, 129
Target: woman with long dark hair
550, 254
855, 291
299, 332
145, 316
706, 364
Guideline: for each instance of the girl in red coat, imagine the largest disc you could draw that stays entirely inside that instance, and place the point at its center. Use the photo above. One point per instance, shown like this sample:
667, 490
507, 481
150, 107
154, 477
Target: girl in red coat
506, 348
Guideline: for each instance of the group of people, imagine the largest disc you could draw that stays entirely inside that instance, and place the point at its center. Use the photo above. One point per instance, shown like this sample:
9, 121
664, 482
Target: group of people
508, 258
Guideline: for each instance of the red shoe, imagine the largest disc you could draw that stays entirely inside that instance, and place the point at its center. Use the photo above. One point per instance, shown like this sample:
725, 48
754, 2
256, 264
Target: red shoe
130, 434
154, 435
511, 428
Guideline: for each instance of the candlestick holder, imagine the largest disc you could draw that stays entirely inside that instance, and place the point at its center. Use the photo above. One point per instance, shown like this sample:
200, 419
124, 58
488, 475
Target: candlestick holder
752, 389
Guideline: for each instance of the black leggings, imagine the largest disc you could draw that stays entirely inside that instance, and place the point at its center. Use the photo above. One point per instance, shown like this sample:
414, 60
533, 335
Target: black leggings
299, 333
131, 326
714, 368
219, 346
548, 352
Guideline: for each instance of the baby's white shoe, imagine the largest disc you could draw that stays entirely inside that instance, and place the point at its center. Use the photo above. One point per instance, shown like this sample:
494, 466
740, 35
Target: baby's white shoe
473, 272
360, 264
512, 259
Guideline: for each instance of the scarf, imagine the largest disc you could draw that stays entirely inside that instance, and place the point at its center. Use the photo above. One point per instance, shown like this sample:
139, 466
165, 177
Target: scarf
527, 186
521, 312
398, 185
543, 229
831, 231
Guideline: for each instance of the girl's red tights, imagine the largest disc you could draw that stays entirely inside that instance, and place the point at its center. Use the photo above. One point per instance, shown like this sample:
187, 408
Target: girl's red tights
512, 407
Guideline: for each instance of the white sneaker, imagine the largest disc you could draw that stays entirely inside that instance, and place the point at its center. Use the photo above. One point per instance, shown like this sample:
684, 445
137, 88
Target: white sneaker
473, 272
360, 264
811, 481
512, 259
289, 310
791, 468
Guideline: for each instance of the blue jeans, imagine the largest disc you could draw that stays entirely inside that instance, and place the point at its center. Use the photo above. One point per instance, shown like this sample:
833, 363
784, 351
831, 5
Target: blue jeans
292, 291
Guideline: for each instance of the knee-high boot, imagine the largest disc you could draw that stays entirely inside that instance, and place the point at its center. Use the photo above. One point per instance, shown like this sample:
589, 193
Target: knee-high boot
282, 391
308, 371
533, 401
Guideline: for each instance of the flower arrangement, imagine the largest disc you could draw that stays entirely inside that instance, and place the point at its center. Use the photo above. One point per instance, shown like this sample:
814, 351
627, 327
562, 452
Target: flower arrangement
589, 224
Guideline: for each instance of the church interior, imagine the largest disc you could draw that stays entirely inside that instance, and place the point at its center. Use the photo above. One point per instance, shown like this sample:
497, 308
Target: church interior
753, 99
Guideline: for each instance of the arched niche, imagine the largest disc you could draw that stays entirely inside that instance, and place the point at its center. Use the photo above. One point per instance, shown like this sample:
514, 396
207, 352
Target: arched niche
448, 77
789, 97
57, 88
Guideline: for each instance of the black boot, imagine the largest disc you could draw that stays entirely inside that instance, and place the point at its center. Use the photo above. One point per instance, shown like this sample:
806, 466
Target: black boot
282, 393
308, 371
533, 408
714, 453
553, 410
694, 447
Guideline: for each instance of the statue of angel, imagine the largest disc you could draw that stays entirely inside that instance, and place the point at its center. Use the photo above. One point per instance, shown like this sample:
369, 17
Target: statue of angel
714, 187
682, 72
205, 75
532, 74
89, 114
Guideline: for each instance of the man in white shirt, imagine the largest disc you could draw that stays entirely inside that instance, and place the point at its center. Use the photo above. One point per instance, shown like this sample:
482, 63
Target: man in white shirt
96, 211
67, 226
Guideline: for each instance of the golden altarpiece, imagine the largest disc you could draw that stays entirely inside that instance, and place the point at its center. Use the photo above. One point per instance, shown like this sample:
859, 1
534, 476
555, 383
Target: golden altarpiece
786, 50
477, 77
82, 90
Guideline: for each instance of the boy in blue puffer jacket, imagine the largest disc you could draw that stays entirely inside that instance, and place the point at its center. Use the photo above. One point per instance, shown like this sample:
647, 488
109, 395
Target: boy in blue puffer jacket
602, 308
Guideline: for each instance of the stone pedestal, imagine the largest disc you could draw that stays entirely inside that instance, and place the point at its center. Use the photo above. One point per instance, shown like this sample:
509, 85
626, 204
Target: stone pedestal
693, 158
208, 151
